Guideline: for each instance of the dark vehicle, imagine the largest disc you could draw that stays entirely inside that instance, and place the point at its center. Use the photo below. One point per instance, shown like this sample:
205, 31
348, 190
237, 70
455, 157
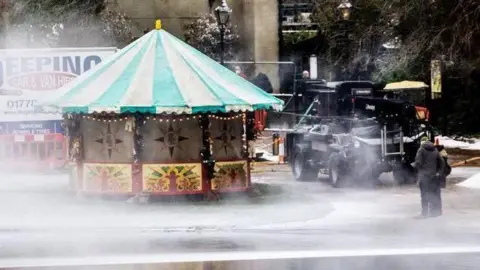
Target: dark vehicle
349, 134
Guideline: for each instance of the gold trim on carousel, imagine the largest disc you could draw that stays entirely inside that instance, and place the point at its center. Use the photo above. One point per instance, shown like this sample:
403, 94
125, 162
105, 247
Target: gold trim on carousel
92, 118
226, 118
164, 119
167, 120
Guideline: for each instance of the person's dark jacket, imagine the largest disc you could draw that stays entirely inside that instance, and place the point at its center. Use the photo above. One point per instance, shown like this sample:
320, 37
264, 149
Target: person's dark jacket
262, 81
446, 168
428, 162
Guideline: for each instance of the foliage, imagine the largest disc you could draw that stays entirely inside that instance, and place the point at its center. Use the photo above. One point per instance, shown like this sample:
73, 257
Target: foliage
204, 35
402, 37
67, 23
296, 37
424, 29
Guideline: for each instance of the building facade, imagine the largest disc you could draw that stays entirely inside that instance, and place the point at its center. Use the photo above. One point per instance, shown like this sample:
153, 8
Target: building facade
256, 20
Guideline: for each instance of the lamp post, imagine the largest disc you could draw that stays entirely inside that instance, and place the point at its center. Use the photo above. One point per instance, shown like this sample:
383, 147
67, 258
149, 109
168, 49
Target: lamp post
222, 13
345, 8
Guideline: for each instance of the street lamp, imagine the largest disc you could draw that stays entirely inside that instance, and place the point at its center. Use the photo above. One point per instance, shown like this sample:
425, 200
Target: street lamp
345, 9
343, 40
222, 13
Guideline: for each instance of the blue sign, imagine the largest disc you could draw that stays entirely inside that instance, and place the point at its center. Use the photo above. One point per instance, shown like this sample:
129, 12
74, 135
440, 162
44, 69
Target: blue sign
32, 127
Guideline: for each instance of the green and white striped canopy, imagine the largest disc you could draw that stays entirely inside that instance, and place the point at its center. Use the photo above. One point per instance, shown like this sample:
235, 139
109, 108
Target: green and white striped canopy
159, 73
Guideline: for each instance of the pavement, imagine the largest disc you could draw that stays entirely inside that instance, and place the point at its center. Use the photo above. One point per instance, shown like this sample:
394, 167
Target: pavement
42, 224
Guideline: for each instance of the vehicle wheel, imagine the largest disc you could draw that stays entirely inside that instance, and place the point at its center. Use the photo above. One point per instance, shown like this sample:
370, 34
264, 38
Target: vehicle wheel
398, 177
367, 177
404, 176
335, 174
302, 170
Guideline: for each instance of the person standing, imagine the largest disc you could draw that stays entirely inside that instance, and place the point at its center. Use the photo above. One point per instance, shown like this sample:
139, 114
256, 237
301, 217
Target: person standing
239, 72
263, 82
429, 165
446, 168
305, 75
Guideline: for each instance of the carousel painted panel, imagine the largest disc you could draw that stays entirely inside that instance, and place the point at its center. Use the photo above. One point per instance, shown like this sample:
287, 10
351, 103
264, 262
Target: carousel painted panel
107, 178
231, 176
171, 141
172, 178
110, 142
227, 137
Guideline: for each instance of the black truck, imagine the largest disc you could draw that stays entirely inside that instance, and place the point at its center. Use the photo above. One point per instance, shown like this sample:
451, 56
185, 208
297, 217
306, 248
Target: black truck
348, 133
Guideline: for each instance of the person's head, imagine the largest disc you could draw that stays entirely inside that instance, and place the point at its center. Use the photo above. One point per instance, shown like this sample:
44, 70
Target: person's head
424, 139
305, 75
238, 70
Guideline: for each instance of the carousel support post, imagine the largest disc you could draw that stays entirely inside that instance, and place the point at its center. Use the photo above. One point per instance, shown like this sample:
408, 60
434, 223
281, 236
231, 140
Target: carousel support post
72, 123
141, 197
250, 136
207, 158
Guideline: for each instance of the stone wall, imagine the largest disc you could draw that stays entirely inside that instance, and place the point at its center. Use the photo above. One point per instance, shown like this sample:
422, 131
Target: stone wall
173, 13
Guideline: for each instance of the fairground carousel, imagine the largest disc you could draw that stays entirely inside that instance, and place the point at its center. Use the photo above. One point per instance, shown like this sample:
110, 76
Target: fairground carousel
161, 118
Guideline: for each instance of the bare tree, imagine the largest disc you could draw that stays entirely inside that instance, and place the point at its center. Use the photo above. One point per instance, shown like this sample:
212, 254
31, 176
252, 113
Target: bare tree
68, 23
404, 35
204, 35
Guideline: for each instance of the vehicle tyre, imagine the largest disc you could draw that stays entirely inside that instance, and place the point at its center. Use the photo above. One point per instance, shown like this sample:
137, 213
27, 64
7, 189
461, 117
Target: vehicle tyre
301, 169
398, 177
404, 175
335, 174
370, 177
366, 175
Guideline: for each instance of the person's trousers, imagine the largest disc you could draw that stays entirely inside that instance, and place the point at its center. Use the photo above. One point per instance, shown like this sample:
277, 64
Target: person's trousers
431, 198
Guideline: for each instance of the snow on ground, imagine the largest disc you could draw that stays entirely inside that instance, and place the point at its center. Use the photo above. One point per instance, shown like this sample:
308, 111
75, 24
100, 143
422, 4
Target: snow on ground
41, 201
267, 156
470, 144
471, 182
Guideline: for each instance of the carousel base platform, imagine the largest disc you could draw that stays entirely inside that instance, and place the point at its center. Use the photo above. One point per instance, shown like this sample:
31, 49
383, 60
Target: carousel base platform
158, 179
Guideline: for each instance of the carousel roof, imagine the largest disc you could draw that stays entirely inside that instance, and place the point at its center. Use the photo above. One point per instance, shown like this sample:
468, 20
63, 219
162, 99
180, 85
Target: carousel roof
159, 73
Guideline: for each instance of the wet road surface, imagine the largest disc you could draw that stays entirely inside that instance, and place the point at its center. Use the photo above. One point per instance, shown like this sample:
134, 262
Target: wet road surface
43, 224
375, 260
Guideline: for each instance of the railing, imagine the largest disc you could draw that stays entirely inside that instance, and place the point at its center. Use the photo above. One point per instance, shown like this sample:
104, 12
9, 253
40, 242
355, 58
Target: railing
33, 151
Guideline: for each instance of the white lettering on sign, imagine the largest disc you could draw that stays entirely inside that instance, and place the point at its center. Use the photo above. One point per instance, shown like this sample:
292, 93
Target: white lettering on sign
370, 107
27, 77
25, 126
31, 131
361, 91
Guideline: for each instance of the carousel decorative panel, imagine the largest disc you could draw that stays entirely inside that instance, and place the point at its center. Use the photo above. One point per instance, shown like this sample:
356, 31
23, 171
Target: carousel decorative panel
230, 175
178, 141
115, 178
227, 138
107, 141
165, 178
